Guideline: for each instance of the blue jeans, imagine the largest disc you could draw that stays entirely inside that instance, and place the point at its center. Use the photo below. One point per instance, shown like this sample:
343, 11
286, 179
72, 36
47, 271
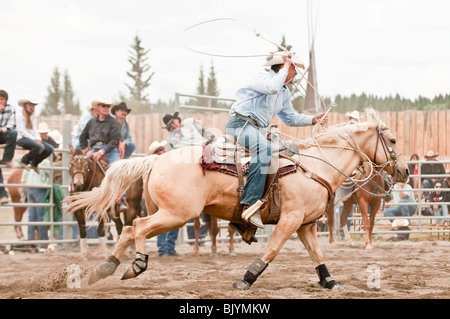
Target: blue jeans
400, 211
250, 137
38, 151
36, 195
166, 242
442, 211
129, 149
112, 156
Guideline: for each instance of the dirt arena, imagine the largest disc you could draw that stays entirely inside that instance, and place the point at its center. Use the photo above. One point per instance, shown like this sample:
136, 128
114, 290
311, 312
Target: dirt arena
391, 270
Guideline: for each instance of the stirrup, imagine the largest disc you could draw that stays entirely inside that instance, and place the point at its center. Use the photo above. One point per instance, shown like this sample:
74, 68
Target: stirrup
253, 211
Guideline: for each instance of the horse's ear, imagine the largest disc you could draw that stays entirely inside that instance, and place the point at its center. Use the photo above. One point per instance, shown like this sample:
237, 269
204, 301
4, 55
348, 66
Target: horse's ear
71, 149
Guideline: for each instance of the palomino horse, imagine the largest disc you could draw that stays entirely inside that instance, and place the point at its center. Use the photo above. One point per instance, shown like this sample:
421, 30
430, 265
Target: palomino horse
178, 189
87, 174
368, 195
213, 228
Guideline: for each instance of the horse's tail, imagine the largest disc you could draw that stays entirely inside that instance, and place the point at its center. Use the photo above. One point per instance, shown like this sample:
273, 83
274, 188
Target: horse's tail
119, 177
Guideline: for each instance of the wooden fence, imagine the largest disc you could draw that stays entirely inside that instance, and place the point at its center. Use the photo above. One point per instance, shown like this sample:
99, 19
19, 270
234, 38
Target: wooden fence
416, 131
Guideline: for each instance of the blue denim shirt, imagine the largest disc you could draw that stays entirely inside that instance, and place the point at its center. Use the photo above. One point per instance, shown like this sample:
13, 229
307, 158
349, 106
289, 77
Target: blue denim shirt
266, 96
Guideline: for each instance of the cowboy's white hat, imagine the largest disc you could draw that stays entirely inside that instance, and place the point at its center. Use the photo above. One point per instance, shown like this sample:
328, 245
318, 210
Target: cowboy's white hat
400, 222
56, 135
31, 100
102, 100
155, 145
431, 154
353, 115
278, 59
43, 127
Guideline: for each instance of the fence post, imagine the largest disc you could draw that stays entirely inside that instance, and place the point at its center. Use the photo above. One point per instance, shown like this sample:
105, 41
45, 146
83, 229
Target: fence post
67, 133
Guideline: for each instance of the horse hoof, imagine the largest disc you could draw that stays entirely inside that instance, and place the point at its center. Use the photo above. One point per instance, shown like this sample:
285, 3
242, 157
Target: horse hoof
369, 247
214, 254
128, 273
102, 271
242, 285
338, 287
232, 254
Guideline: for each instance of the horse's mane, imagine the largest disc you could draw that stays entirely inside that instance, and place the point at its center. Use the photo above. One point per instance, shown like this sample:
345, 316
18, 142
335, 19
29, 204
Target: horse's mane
370, 119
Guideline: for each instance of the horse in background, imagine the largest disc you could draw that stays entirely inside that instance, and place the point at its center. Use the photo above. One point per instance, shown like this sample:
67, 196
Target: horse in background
212, 224
368, 197
87, 174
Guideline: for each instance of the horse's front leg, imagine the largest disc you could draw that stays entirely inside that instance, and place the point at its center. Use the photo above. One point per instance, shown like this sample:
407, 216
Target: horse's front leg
286, 226
308, 235
346, 210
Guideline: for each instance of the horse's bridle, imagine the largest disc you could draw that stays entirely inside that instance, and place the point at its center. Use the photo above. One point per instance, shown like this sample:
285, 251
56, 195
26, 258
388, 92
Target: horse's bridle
387, 148
78, 158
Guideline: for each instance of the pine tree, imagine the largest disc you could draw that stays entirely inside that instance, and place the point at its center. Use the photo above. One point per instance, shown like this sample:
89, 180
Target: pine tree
211, 88
201, 88
141, 81
70, 106
52, 104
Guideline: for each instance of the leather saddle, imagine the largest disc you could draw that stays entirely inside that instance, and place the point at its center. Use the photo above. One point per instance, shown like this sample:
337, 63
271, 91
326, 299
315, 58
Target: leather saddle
228, 157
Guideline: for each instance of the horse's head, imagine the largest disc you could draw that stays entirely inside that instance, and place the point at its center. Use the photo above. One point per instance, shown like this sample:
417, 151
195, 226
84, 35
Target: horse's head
79, 170
383, 150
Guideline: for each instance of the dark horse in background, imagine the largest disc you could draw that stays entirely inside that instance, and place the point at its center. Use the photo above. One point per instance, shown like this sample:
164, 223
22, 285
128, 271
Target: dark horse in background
86, 174
368, 196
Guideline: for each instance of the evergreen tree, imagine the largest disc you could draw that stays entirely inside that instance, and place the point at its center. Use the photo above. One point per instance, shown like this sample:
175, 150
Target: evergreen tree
70, 106
52, 104
201, 90
211, 88
139, 75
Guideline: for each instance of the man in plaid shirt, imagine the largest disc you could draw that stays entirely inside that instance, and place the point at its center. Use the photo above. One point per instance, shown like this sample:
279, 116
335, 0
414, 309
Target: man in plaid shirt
8, 136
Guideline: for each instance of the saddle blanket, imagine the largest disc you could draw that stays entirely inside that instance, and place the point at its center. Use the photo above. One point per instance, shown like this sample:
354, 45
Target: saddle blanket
207, 162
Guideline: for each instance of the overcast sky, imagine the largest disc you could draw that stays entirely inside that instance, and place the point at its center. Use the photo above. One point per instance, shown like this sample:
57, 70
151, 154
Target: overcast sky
377, 47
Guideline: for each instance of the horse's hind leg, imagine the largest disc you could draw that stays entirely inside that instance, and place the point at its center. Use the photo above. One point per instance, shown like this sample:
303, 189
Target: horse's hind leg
231, 246
197, 234
213, 232
159, 223
108, 267
308, 235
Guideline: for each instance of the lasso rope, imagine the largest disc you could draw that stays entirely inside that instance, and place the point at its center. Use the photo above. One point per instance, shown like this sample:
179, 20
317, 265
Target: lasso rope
327, 108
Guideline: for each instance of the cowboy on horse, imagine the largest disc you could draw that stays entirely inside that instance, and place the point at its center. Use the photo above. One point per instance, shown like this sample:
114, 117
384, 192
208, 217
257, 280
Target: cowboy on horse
257, 103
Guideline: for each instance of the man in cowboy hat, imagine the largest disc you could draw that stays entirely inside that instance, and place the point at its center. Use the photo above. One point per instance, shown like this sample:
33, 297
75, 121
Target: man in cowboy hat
126, 146
257, 103
157, 148
431, 168
8, 136
188, 132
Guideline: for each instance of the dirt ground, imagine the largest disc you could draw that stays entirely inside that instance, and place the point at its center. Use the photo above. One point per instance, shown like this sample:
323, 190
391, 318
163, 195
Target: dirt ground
391, 270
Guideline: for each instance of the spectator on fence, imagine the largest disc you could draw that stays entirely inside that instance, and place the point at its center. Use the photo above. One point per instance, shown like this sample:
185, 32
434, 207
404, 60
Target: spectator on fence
43, 131
187, 132
28, 136
436, 197
431, 168
413, 169
126, 146
100, 138
90, 114
8, 136
36, 195
402, 194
